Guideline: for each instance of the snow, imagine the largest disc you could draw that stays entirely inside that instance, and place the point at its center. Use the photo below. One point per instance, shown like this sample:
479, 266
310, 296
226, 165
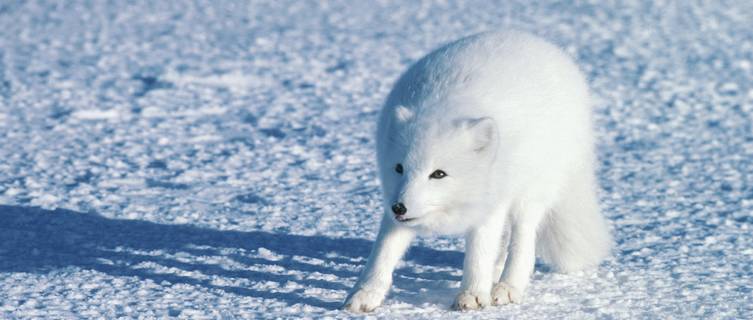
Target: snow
212, 159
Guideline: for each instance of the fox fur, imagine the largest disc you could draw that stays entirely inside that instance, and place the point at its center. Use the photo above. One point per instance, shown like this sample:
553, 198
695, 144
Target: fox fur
506, 118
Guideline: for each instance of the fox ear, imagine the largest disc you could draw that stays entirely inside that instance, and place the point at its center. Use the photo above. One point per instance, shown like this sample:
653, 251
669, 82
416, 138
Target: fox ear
482, 131
403, 114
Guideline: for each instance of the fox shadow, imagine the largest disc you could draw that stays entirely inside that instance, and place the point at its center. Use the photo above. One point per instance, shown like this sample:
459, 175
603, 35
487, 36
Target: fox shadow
38, 241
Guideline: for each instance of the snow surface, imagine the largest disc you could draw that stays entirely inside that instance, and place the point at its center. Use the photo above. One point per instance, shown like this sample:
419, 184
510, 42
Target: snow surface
205, 159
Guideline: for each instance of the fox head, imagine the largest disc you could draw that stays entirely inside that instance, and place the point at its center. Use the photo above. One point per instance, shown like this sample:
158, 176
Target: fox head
436, 174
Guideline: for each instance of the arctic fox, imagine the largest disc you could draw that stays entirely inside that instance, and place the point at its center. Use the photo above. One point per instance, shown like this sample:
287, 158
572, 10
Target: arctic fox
489, 136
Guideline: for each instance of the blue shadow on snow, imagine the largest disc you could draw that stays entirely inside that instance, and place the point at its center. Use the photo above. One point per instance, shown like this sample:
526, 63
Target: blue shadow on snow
38, 240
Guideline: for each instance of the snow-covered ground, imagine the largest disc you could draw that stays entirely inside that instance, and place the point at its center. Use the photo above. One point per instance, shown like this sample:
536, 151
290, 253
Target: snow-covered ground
214, 159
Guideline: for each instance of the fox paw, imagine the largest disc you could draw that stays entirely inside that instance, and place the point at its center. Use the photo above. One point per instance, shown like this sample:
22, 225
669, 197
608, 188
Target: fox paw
467, 300
363, 300
503, 293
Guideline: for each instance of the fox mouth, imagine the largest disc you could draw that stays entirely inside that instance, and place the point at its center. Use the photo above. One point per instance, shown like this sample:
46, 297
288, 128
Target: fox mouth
403, 219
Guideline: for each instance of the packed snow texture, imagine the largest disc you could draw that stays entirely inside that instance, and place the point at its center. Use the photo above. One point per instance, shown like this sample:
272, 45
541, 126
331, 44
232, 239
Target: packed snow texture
215, 159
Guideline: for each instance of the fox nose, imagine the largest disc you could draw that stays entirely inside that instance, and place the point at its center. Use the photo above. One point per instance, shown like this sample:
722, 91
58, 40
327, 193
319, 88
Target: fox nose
399, 209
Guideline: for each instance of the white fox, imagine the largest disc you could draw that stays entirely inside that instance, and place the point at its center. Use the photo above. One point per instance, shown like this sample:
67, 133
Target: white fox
489, 136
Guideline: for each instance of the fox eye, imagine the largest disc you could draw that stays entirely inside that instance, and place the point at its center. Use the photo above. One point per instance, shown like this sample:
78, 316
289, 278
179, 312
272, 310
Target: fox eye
438, 174
399, 168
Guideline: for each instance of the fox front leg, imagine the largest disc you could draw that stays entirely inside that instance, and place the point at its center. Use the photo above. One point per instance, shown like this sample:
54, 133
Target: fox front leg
376, 278
482, 249
521, 256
